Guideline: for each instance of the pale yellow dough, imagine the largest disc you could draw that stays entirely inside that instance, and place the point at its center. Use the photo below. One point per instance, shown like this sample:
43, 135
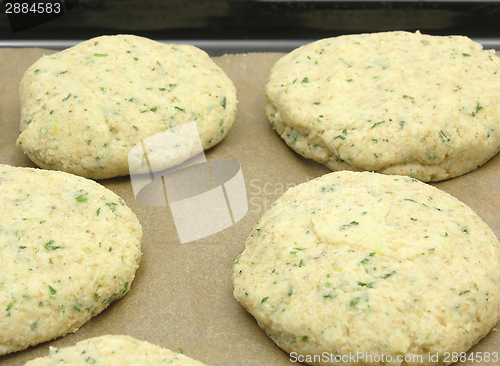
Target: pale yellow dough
111, 350
364, 262
393, 102
83, 109
68, 248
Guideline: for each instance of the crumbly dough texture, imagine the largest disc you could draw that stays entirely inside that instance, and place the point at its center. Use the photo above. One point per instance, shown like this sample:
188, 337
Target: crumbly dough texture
114, 350
83, 109
364, 262
68, 248
394, 102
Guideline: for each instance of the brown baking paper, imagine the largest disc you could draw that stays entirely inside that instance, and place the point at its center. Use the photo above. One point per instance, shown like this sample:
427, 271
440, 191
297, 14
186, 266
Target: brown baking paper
182, 294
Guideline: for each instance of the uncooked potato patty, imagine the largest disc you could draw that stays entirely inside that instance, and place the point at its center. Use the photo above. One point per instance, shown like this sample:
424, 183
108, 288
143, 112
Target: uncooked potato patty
359, 262
394, 103
83, 109
114, 350
68, 248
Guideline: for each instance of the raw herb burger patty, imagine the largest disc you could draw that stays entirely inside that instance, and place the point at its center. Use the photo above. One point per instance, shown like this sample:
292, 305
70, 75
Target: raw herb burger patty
114, 350
68, 248
83, 109
364, 262
395, 103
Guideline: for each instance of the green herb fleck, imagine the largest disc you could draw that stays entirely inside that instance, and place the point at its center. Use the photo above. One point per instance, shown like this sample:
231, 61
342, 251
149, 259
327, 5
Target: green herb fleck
346, 226
278, 306
50, 246
264, 299
376, 124
463, 292
304, 338
478, 108
223, 102
362, 284
180, 109
65, 99
443, 136
81, 198
52, 291
111, 206
305, 80
100, 54
354, 302
9, 306
153, 109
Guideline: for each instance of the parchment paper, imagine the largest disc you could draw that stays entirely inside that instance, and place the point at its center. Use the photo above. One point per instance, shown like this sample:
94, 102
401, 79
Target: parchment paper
182, 294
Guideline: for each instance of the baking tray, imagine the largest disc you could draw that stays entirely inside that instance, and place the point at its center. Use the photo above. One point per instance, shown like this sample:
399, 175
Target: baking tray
182, 294
220, 27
